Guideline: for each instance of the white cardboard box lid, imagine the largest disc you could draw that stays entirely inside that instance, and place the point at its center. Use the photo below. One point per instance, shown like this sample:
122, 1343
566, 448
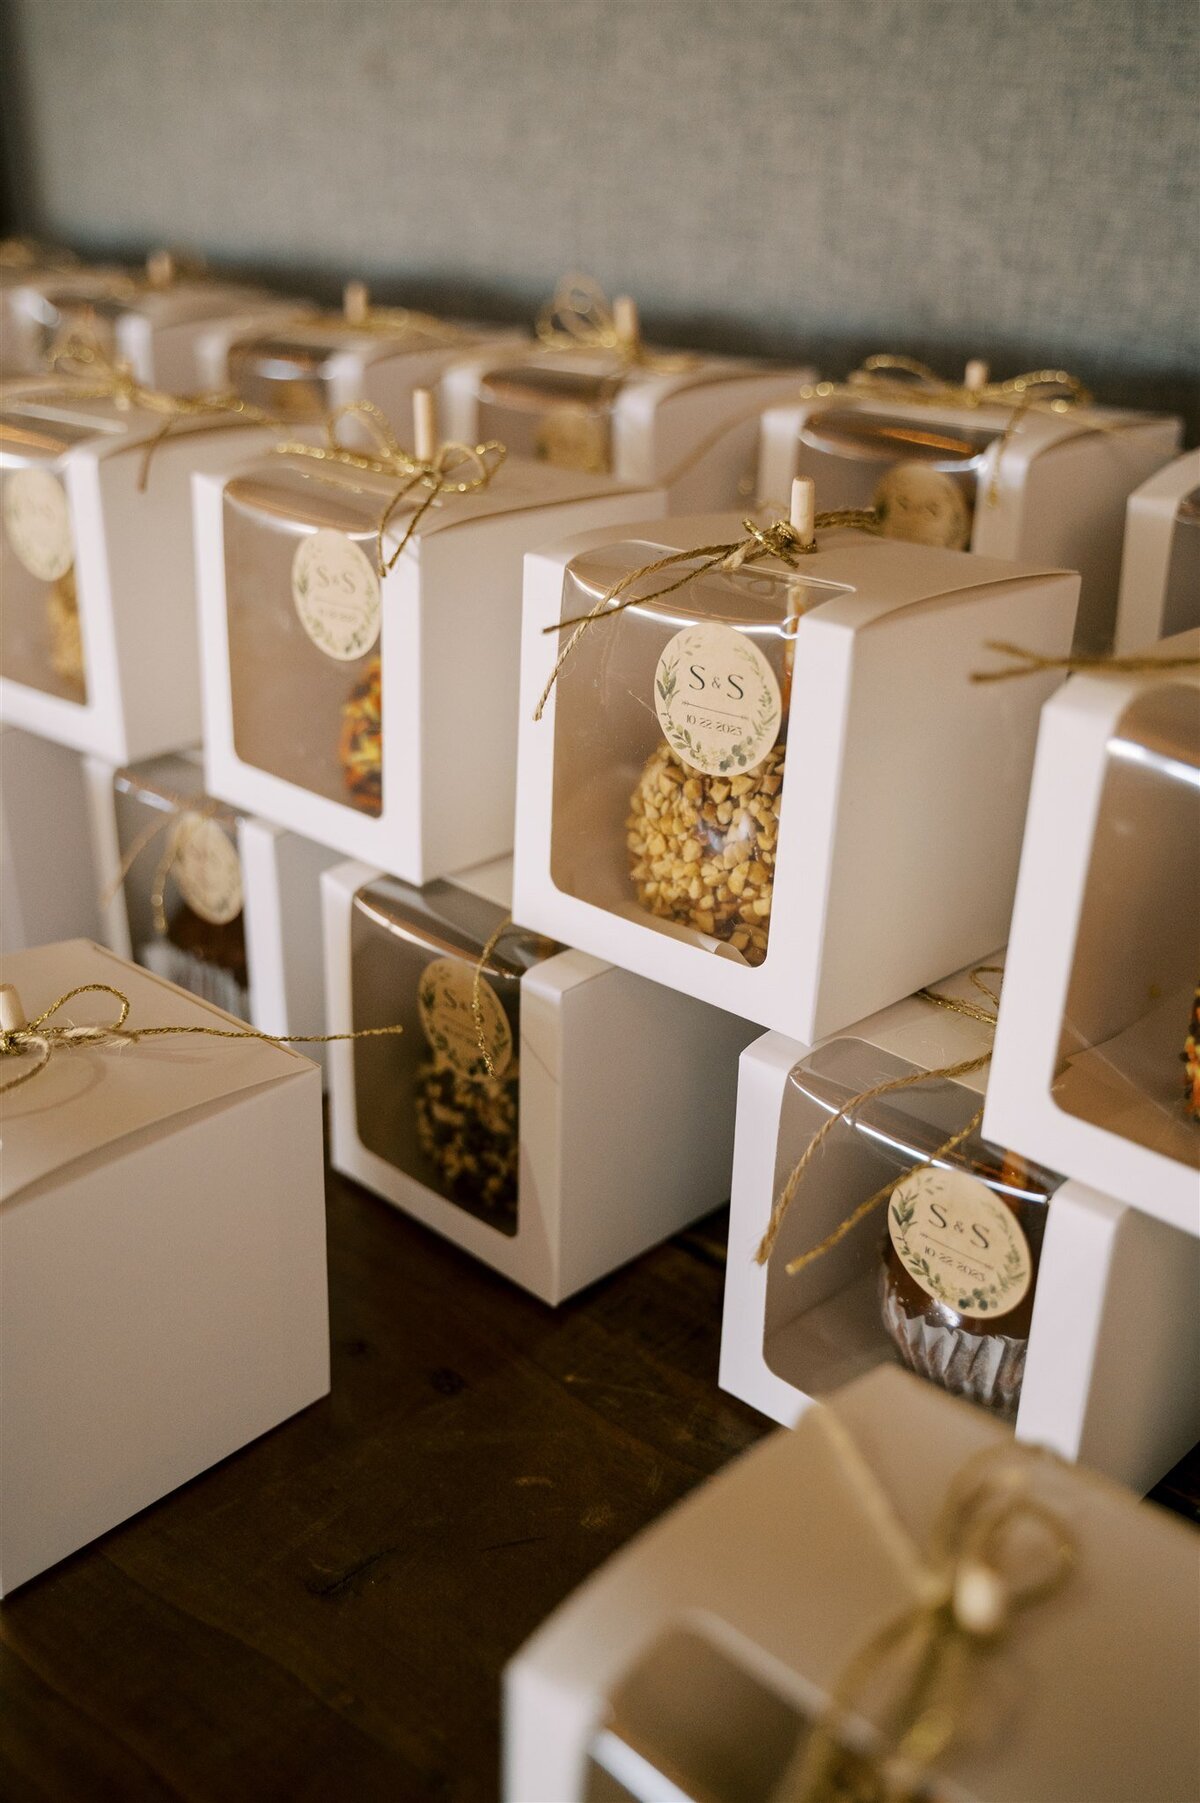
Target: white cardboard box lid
519, 485
877, 576
87, 1100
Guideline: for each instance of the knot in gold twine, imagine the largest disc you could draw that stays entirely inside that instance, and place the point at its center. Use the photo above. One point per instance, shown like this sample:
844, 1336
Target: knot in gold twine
1032, 663
580, 317
82, 369
453, 469
996, 1549
40, 1039
986, 1013
889, 377
778, 539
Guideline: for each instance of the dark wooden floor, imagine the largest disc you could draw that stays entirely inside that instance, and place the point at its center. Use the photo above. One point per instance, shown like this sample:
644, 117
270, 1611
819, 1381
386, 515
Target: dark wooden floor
325, 1615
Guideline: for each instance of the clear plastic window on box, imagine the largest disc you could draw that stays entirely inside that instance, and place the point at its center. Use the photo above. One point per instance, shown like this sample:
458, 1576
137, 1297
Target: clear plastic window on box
1122, 1063
298, 713
859, 1305
638, 828
921, 474
557, 409
173, 838
425, 1100
41, 643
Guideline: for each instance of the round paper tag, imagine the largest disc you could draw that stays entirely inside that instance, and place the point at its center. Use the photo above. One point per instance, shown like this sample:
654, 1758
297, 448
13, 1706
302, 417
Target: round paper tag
444, 1002
717, 699
960, 1242
38, 522
206, 869
336, 591
924, 506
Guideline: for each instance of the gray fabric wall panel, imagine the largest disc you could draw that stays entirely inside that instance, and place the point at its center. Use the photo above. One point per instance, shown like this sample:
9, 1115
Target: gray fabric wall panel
1010, 178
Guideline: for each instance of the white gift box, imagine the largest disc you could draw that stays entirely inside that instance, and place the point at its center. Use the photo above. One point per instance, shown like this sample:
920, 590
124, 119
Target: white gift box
899, 820
607, 1127
692, 1665
162, 1256
240, 898
689, 426
1160, 566
1054, 493
296, 676
1111, 1352
99, 647
1105, 947
47, 877
307, 364
155, 327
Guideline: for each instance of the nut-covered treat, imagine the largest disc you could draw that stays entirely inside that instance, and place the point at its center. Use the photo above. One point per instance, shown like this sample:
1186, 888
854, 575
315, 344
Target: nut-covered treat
702, 848
66, 639
467, 1128
1191, 1061
361, 747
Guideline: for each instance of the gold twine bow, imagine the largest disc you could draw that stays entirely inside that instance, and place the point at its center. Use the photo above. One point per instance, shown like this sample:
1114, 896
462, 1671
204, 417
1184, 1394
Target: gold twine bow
39, 1039
996, 1549
579, 317
81, 369
778, 539
889, 377
985, 1013
454, 469
1031, 663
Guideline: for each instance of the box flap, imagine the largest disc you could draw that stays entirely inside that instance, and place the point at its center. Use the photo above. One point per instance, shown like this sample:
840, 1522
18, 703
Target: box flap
89, 1099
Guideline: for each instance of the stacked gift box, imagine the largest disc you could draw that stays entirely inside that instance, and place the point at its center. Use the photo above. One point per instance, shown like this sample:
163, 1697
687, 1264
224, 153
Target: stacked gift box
428, 693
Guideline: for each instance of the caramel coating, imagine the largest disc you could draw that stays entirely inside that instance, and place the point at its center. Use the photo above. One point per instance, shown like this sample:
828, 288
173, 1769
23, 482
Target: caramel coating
702, 848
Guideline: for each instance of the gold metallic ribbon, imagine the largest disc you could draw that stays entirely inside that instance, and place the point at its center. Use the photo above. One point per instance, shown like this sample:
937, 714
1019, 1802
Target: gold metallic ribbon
957, 1005
1031, 663
778, 539
387, 322
996, 1549
454, 469
81, 369
580, 317
39, 1039
477, 998
902, 380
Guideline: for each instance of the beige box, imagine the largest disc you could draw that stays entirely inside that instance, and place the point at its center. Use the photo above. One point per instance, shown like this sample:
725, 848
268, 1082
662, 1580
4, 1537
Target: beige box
155, 327
883, 855
1160, 565
384, 726
693, 1664
1097, 1360
1104, 956
688, 424
308, 363
162, 1256
1054, 493
238, 914
607, 1126
99, 643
